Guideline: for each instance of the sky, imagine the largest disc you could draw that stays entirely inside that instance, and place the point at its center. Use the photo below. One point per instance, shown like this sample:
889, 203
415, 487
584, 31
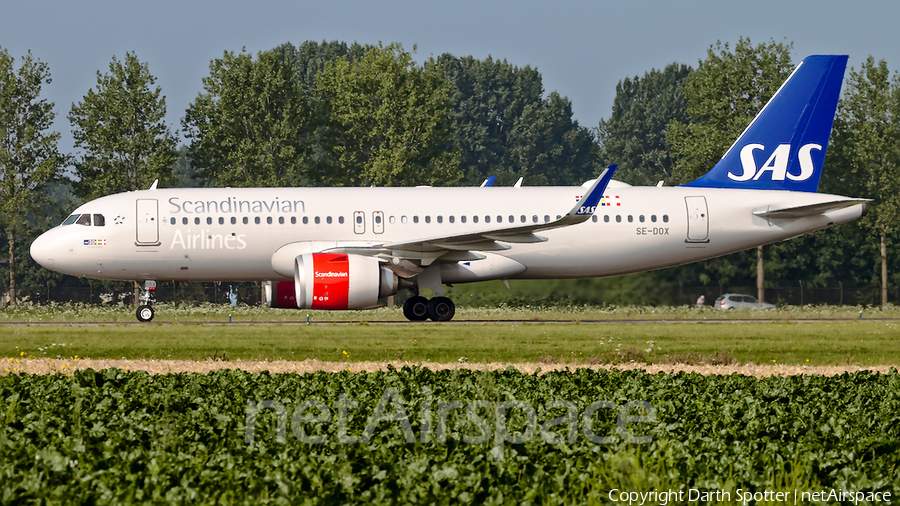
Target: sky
582, 49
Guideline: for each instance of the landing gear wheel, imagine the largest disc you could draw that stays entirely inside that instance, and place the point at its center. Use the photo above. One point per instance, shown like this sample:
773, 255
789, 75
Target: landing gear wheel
441, 309
144, 313
415, 309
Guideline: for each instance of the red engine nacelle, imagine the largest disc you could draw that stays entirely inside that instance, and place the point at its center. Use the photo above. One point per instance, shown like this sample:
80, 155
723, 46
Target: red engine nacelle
333, 281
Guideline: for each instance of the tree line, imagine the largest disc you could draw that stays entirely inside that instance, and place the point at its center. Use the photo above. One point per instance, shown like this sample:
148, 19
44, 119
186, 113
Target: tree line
337, 114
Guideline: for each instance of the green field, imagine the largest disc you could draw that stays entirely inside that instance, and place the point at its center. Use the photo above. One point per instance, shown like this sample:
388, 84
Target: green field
116, 437
185, 313
808, 343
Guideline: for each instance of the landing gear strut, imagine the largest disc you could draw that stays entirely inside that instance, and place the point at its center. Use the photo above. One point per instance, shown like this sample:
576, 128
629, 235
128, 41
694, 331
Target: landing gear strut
145, 310
418, 308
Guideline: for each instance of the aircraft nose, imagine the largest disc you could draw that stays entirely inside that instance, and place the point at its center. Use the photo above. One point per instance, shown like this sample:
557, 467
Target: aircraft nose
42, 250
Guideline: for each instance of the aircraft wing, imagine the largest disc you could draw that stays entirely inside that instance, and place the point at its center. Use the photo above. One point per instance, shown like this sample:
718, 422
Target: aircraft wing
458, 247
489, 239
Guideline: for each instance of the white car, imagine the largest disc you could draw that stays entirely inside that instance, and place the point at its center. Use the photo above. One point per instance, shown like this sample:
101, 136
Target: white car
740, 301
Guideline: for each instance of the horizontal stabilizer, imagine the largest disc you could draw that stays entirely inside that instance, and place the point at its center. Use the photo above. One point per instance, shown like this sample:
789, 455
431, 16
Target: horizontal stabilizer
808, 210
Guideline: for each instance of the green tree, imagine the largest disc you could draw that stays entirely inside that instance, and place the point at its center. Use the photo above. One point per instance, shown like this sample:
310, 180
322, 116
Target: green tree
388, 119
248, 126
505, 127
121, 127
867, 142
724, 94
29, 159
308, 60
310, 57
634, 137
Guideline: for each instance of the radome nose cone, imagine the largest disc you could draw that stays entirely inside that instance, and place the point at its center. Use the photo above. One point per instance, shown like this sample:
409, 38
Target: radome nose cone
42, 252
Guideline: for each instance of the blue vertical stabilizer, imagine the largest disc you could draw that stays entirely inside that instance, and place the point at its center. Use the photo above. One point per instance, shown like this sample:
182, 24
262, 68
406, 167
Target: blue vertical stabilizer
784, 146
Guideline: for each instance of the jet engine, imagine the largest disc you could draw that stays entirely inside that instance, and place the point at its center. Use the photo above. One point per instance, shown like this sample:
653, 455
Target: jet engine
333, 281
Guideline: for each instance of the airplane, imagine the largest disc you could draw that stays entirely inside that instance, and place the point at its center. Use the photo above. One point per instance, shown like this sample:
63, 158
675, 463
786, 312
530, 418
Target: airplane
346, 248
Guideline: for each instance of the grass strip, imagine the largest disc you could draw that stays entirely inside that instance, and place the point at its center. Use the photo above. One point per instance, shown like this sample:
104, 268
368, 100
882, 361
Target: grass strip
862, 342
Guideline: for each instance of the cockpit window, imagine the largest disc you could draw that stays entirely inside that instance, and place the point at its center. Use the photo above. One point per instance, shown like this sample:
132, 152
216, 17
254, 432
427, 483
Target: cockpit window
85, 219
99, 220
71, 219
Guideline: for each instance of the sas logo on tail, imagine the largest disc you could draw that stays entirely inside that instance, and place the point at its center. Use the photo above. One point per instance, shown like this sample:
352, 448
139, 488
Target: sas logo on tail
777, 163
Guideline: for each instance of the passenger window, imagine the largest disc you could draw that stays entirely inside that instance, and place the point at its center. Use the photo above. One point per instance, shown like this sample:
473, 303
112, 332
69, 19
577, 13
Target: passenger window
403, 220
209, 220
594, 218
641, 218
99, 220
428, 219
268, 220
546, 218
653, 218
630, 218
84, 219
558, 216
328, 220
233, 220
172, 221
221, 220
184, 221
391, 220
245, 220
452, 219
665, 218
440, 219
618, 218
73, 218
534, 218
306, 220
256, 220
281, 220
475, 219
197, 220
462, 219
606, 219
293, 220
341, 219
522, 218
415, 219
317, 220
487, 219
512, 219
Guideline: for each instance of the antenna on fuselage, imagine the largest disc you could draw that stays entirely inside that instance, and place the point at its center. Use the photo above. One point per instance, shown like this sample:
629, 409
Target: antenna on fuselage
153, 186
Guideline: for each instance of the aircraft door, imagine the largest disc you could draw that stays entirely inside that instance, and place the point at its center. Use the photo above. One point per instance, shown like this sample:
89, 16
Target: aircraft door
698, 219
359, 222
378, 222
147, 223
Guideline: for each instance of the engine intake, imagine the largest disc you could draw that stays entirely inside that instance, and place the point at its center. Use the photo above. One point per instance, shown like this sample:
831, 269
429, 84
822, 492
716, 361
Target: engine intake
333, 281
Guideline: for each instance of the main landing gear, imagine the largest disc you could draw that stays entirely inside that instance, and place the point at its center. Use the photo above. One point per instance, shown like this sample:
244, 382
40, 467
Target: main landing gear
418, 308
145, 310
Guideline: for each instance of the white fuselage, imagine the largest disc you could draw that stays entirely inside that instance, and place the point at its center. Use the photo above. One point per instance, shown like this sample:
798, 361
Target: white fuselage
234, 234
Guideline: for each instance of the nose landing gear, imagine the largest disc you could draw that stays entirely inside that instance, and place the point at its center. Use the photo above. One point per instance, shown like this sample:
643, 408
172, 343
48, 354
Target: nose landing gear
145, 312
